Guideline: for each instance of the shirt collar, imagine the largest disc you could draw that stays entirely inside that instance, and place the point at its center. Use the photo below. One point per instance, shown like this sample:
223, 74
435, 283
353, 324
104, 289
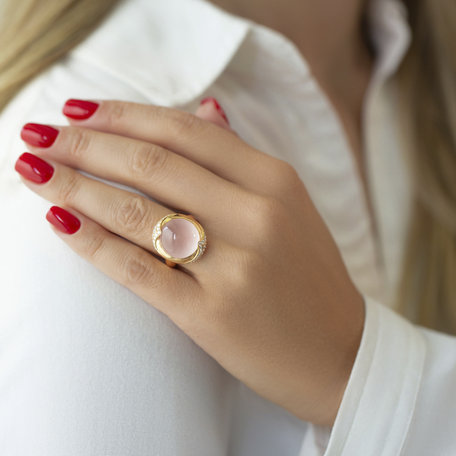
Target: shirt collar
182, 46
390, 33
169, 51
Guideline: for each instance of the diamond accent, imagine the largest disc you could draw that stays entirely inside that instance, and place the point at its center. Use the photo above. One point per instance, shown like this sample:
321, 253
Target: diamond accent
156, 233
202, 247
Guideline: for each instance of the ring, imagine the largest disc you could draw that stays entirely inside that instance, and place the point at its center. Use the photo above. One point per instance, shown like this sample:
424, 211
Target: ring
179, 238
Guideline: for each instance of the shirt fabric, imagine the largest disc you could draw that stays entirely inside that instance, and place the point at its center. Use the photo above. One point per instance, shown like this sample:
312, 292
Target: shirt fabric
88, 368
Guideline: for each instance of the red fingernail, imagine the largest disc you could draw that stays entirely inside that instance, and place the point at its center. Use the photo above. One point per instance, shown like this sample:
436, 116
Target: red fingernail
217, 106
64, 221
33, 168
39, 135
79, 109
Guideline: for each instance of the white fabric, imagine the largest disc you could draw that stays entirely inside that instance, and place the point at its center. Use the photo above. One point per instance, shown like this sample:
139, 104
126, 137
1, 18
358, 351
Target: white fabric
88, 368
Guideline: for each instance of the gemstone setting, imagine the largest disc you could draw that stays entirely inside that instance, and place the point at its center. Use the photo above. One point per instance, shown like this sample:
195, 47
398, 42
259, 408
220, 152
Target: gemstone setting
179, 238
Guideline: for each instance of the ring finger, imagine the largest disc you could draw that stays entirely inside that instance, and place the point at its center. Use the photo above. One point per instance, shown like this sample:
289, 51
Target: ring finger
125, 213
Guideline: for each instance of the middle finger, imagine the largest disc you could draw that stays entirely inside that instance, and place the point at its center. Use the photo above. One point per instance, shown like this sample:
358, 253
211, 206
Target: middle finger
170, 178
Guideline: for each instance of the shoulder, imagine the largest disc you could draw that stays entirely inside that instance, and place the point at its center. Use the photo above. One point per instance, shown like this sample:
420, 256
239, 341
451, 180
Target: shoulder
165, 53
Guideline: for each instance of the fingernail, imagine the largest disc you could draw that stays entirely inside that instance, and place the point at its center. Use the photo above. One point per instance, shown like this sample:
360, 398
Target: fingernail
64, 221
33, 168
79, 109
39, 135
217, 107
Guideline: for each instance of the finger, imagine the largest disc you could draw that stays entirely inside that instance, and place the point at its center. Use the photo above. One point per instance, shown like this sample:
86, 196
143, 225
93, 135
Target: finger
174, 180
216, 149
170, 290
127, 214
211, 111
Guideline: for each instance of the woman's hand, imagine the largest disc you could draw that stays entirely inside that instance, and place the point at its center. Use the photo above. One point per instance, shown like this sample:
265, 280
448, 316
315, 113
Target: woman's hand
270, 299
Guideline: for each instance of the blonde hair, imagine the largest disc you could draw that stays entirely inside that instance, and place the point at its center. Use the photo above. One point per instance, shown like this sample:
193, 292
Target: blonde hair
40, 32
428, 83
36, 33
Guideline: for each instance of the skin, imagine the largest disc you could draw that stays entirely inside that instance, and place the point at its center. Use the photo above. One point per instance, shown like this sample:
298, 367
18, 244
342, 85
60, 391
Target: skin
289, 329
329, 35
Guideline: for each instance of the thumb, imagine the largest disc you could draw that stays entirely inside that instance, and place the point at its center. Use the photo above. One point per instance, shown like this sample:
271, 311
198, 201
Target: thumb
210, 110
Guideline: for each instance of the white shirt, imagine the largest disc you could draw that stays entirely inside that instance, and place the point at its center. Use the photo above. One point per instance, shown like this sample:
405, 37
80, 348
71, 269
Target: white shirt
88, 368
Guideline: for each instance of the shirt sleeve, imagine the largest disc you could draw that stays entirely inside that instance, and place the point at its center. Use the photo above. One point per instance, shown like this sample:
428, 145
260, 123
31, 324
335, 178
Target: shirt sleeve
401, 395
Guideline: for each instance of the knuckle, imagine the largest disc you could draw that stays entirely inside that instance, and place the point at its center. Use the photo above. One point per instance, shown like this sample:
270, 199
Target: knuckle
79, 143
131, 214
69, 188
285, 177
266, 207
184, 123
116, 114
266, 213
94, 246
137, 270
147, 160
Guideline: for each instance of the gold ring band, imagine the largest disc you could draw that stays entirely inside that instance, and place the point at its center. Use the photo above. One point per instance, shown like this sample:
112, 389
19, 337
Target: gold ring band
198, 240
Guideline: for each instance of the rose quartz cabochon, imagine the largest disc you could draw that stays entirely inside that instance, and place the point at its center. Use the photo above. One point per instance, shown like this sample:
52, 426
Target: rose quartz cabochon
180, 238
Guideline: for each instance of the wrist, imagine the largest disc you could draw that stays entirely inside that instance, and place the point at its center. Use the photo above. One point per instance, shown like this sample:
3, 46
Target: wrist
343, 373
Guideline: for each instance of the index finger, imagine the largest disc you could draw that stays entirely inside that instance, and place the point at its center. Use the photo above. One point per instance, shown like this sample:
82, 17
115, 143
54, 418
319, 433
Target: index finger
212, 147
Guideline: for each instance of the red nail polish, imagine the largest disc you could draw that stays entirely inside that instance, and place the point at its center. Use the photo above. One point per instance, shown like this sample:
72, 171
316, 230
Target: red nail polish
79, 109
217, 106
39, 135
33, 168
64, 221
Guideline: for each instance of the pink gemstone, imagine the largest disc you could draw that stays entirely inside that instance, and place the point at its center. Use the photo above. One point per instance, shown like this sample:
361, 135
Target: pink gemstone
179, 238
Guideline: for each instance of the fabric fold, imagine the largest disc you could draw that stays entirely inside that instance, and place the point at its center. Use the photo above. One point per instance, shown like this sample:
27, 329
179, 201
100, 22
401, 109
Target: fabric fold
379, 401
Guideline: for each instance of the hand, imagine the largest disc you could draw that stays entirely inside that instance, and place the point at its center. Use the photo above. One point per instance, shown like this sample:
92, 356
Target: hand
270, 299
